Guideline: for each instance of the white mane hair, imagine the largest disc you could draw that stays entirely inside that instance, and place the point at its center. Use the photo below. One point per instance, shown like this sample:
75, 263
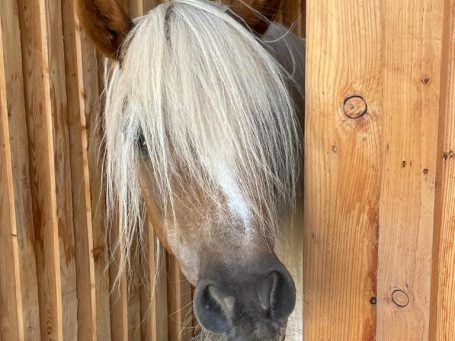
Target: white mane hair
206, 98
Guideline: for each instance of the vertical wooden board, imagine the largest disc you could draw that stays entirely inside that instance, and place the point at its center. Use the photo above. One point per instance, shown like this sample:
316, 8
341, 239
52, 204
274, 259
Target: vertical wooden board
43, 180
119, 306
14, 92
412, 32
341, 173
92, 71
134, 308
289, 251
118, 288
82, 217
11, 320
147, 5
154, 313
179, 302
443, 287
291, 14
62, 165
135, 276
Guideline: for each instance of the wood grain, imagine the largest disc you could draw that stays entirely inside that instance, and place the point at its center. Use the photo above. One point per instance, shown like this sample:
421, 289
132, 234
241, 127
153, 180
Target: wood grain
62, 163
17, 127
91, 74
442, 321
11, 319
39, 110
81, 196
179, 302
154, 310
341, 176
412, 32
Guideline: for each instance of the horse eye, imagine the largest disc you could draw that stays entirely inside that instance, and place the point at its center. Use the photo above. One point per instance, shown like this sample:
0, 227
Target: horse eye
141, 144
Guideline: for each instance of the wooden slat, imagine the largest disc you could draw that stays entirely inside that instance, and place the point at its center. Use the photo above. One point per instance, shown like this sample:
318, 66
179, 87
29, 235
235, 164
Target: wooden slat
20, 164
118, 290
11, 319
52, 10
82, 205
341, 175
154, 311
41, 138
92, 71
412, 32
443, 287
289, 251
179, 302
147, 5
134, 307
292, 16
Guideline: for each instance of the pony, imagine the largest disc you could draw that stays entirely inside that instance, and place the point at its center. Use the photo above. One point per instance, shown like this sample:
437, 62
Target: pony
202, 135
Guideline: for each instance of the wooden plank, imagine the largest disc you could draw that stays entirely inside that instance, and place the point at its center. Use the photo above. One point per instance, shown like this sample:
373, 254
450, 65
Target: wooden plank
289, 250
134, 295
62, 164
20, 165
82, 206
291, 15
341, 173
119, 289
92, 71
179, 302
443, 288
154, 313
11, 319
147, 5
412, 32
41, 138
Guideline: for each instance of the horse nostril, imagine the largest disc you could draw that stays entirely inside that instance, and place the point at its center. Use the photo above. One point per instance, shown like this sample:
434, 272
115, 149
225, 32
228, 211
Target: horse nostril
213, 308
277, 295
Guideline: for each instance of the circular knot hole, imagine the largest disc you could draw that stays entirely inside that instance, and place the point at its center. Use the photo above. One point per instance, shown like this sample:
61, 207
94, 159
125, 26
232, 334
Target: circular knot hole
400, 298
355, 106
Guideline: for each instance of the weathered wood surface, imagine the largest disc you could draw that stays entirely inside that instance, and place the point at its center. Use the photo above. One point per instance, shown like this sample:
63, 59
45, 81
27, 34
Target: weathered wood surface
379, 186
442, 324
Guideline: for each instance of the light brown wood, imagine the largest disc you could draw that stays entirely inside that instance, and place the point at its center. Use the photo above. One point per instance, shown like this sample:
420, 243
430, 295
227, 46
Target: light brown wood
20, 166
412, 32
53, 37
341, 187
86, 312
154, 310
179, 302
118, 288
11, 319
39, 107
90, 94
442, 321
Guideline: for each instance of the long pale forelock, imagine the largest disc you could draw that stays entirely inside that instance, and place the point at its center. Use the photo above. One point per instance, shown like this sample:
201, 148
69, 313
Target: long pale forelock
204, 92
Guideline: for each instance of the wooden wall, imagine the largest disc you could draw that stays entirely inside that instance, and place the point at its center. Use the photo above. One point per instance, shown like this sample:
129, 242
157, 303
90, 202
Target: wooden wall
55, 278
379, 225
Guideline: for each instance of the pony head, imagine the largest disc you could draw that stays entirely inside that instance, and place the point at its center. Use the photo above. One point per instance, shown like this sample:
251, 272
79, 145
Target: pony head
201, 136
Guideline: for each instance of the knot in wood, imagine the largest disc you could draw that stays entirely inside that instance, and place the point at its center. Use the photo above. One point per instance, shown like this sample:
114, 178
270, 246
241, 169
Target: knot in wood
355, 106
400, 298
